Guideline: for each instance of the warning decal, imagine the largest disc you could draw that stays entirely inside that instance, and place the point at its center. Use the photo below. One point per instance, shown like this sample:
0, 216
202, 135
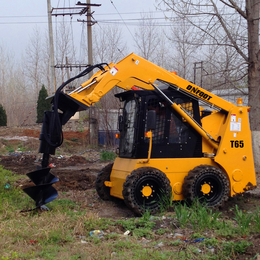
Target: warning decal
113, 71
233, 118
235, 126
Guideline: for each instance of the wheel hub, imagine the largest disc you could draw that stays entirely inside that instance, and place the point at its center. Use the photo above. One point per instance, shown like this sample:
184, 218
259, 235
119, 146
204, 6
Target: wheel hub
205, 188
147, 191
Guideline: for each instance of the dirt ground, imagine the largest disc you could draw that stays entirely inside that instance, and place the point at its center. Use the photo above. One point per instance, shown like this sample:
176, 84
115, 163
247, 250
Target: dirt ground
77, 167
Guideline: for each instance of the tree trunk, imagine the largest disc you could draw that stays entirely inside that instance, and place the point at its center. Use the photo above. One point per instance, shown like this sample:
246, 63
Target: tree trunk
252, 9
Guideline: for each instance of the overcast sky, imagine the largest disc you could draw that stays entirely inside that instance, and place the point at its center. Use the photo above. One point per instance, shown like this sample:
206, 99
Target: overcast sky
18, 18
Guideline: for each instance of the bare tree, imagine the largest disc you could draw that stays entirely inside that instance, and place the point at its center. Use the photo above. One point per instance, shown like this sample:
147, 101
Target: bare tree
33, 62
147, 38
184, 53
64, 48
108, 44
14, 94
46, 64
4, 65
232, 23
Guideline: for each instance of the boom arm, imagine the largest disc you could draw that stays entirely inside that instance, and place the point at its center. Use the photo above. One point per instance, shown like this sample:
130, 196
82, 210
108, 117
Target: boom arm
136, 71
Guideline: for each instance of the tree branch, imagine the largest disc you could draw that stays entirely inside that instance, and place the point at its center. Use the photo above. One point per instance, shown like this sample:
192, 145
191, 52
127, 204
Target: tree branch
228, 33
235, 6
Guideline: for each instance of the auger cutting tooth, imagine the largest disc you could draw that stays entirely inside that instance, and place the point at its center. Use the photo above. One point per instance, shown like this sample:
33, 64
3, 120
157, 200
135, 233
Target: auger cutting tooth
42, 176
43, 192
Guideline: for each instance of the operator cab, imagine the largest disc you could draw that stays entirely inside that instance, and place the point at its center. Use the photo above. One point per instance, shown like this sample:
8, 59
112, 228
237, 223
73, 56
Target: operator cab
172, 136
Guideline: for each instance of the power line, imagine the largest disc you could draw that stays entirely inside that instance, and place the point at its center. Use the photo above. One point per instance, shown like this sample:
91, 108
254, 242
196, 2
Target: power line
126, 25
127, 21
98, 14
112, 43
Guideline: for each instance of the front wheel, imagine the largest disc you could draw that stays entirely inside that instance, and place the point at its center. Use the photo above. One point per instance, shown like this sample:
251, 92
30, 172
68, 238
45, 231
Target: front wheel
208, 184
102, 190
146, 189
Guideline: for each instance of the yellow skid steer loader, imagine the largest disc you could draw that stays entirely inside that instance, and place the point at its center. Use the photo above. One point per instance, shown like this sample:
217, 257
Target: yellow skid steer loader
176, 139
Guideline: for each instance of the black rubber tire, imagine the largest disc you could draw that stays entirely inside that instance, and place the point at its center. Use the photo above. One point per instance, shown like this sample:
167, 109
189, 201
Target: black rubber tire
147, 176
211, 175
102, 190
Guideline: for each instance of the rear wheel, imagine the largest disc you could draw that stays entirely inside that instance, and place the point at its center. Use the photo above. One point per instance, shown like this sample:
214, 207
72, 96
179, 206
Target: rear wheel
146, 189
207, 183
102, 190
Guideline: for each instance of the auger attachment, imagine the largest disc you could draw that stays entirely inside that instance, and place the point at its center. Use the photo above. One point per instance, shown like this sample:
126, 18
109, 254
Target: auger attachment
43, 192
51, 137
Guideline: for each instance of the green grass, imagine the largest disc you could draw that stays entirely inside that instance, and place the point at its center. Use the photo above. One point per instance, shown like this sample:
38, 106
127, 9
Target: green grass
243, 220
64, 231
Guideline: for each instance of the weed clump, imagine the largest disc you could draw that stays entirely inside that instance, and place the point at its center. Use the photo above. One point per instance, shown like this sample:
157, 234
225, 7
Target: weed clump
107, 156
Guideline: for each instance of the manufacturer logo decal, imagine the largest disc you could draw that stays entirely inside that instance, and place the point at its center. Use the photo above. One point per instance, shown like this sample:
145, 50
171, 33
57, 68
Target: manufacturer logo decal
198, 92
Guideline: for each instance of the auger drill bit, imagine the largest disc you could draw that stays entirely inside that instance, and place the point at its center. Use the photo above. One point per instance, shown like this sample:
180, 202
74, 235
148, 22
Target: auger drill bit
43, 192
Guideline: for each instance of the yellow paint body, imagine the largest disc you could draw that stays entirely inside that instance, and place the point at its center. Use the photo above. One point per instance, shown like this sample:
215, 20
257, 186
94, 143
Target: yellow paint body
225, 136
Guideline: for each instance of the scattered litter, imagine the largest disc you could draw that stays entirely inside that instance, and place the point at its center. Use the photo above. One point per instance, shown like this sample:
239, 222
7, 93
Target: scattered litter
33, 242
178, 236
83, 242
197, 250
82, 237
96, 233
60, 157
161, 244
113, 254
7, 186
144, 240
195, 241
198, 240
211, 249
52, 165
127, 233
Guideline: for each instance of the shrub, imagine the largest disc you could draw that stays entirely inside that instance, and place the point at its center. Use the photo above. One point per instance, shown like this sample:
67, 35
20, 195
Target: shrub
42, 104
3, 116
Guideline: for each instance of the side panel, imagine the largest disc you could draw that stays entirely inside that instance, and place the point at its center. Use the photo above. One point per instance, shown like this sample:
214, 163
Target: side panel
175, 170
235, 151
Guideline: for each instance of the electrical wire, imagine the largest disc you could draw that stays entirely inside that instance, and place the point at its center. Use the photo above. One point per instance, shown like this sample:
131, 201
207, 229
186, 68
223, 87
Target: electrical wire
126, 25
107, 37
72, 35
150, 12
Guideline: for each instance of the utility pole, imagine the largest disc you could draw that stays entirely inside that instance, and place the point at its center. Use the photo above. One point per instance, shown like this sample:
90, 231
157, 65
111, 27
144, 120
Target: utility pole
201, 71
80, 9
90, 49
68, 71
51, 49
